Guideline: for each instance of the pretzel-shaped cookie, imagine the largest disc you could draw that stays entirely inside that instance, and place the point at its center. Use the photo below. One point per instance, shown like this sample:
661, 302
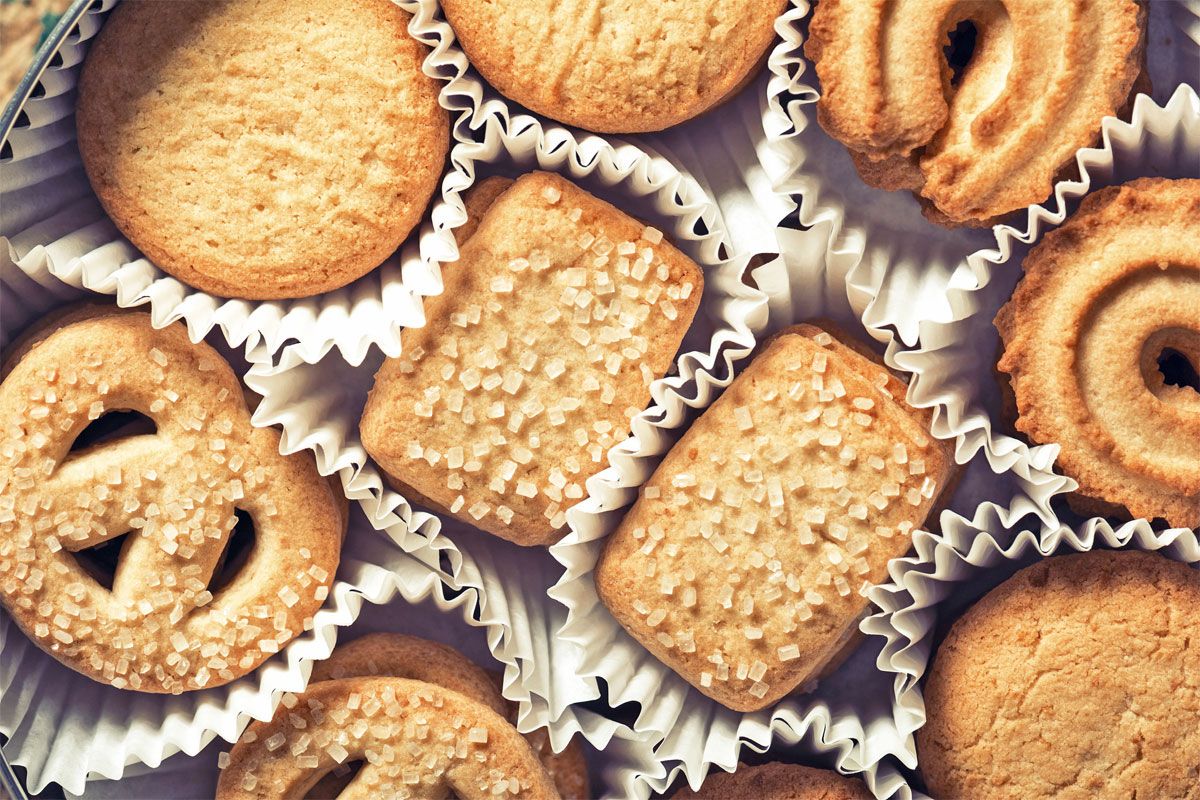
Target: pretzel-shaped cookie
160, 628
415, 739
401, 656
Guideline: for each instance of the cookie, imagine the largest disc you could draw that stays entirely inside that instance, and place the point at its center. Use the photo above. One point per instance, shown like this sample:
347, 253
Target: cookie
261, 150
400, 656
976, 146
161, 622
777, 781
1107, 301
1078, 677
742, 563
413, 739
559, 313
616, 67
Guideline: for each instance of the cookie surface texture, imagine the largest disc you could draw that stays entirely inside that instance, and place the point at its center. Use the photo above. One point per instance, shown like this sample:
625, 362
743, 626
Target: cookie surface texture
741, 563
616, 66
261, 150
160, 624
1041, 77
1108, 301
777, 782
553, 323
414, 739
1079, 677
402, 656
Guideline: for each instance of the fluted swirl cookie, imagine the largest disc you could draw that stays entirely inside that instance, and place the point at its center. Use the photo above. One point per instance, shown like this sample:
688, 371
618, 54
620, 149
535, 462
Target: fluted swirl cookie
1105, 297
1041, 77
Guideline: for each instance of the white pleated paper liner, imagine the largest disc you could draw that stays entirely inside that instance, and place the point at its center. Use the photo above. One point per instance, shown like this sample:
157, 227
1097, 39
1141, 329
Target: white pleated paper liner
950, 571
62, 727
850, 711
955, 361
52, 220
318, 405
415, 602
880, 238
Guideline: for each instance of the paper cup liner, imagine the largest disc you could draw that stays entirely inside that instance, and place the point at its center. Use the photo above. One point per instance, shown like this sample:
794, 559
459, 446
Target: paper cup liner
948, 572
412, 600
53, 221
63, 727
318, 406
880, 239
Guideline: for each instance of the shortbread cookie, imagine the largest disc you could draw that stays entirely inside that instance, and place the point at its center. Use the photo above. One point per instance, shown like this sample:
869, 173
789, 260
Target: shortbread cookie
742, 562
400, 656
614, 66
1077, 678
553, 323
1105, 299
414, 739
777, 781
261, 150
162, 626
1040, 80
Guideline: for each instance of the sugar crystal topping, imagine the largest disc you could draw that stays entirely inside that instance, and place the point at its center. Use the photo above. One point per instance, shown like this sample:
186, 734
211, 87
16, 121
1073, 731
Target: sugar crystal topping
174, 492
777, 525
413, 739
504, 411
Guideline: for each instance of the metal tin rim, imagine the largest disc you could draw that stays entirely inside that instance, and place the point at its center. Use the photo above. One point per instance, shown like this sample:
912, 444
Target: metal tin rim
41, 60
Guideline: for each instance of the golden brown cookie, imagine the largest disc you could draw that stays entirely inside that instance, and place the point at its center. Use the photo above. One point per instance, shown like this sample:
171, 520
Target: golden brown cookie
742, 562
1079, 677
553, 323
777, 781
400, 656
162, 625
613, 66
414, 740
1104, 298
1040, 79
261, 150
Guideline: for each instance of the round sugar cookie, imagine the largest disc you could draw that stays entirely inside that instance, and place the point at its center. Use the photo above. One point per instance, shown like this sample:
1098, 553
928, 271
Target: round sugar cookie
616, 66
1077, 678
261, 150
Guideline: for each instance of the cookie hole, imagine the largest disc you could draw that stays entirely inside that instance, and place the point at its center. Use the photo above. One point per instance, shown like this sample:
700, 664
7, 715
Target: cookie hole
101, 561
112, 426
1178, 370
238, 548
334, 782
962, 46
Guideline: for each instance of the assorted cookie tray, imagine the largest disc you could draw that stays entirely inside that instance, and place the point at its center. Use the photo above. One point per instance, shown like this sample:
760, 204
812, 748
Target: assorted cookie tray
695, 399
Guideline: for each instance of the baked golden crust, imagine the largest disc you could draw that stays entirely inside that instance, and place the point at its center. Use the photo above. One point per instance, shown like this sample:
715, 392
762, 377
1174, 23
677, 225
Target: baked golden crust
776, 781
616, 67
741, 563
400, 656
261, 150
1042, 76
1077, 678
553, 323
414, 739
159, 628
1102, 297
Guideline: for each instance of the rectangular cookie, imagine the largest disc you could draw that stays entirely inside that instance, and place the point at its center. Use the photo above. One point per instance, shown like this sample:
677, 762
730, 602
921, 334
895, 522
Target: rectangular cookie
558, 315
741, 563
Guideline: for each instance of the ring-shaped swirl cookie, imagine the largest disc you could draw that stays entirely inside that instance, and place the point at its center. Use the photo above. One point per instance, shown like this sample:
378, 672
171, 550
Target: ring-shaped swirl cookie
1040, 79
1105, 298
158, 628
414, 739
